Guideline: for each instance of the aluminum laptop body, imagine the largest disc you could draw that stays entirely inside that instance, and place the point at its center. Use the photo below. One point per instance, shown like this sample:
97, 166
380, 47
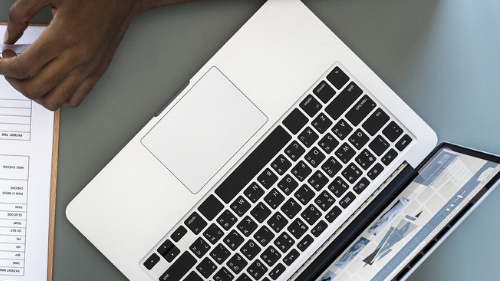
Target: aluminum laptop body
163, 202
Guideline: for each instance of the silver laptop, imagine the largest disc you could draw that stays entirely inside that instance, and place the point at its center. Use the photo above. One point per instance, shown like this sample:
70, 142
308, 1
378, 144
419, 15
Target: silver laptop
271, 149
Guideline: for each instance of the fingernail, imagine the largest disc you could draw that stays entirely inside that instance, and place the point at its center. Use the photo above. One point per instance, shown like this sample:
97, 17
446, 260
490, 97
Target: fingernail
6, 36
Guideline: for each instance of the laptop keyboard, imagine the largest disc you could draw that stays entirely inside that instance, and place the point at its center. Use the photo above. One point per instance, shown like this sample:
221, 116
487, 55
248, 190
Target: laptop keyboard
283, 196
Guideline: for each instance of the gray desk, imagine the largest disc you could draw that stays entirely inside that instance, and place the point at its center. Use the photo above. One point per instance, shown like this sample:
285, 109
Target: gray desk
441, 57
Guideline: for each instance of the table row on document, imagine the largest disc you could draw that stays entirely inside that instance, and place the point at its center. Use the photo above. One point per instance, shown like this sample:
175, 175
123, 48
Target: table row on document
15, 119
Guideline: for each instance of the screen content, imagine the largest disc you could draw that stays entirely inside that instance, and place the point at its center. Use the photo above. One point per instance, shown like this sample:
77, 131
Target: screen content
443, 187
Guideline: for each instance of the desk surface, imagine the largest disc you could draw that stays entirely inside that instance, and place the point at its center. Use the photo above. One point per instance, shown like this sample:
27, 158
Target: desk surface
441, 57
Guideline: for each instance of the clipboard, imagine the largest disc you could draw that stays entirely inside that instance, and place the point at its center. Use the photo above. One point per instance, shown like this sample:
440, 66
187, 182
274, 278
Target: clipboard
53, 187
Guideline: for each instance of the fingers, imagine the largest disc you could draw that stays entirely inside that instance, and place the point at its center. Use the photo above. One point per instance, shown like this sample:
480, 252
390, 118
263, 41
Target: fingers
8, 54
75, 87
20, 15
48, 77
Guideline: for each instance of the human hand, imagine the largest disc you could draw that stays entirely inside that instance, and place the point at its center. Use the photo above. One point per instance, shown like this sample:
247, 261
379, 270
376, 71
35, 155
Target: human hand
73, 52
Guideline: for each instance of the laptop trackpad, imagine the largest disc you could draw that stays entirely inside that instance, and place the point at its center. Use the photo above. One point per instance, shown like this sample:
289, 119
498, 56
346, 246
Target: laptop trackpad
208, 125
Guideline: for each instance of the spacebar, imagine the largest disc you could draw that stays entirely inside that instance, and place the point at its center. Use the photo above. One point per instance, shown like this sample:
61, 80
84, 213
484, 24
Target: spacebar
179, 268
264, 153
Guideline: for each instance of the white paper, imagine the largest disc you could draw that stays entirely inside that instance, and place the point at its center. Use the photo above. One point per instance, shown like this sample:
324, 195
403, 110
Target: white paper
18, 48
26, 134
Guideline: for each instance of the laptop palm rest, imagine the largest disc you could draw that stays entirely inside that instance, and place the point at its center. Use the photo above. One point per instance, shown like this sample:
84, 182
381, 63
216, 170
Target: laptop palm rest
204, 130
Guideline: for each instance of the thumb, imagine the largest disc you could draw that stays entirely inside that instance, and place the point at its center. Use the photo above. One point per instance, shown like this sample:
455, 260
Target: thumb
20, 14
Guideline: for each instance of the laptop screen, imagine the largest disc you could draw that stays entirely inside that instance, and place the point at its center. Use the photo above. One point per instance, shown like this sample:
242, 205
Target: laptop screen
444, 186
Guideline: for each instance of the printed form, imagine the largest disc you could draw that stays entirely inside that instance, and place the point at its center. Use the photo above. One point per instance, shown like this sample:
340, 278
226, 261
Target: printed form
26, 136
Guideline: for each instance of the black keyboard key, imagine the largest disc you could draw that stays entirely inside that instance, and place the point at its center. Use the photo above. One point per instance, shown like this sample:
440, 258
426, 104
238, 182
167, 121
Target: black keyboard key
240, 177
233, 240
360, 110
403, 142
244, 277
328, 143
240, 206
250, 250
375, 171
220, 254
305, 243
392, 131
274, 198
297, 228
321, 123
317, 180
284, 242
199, 247
281, 164
311, 214
379, 145
314, 157
361, 185
294, 151
389, 156
365, 159
287, 184
338, 187
195, 222
358, 139
165, 247
347, 200
305, 194
376, 121
236, 263
295, 121
291, 208
193, 276
291, 257
342, 129
178, 233
227, 220
352, 173
343, 100
277, 222
331, 167
267, 178
260, 212
276, 272
206, 267
257, 269
345, 152
211, 207
253, 192
319, 228
171, 254
247, 226
263, 236
337, 77
324, 91
270, 256
151, 261
301, 171
308, 137
223, 275
324, 201
179, 268
310, 105
333, 214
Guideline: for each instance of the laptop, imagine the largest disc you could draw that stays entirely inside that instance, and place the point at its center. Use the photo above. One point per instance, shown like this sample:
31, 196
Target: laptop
273, 147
